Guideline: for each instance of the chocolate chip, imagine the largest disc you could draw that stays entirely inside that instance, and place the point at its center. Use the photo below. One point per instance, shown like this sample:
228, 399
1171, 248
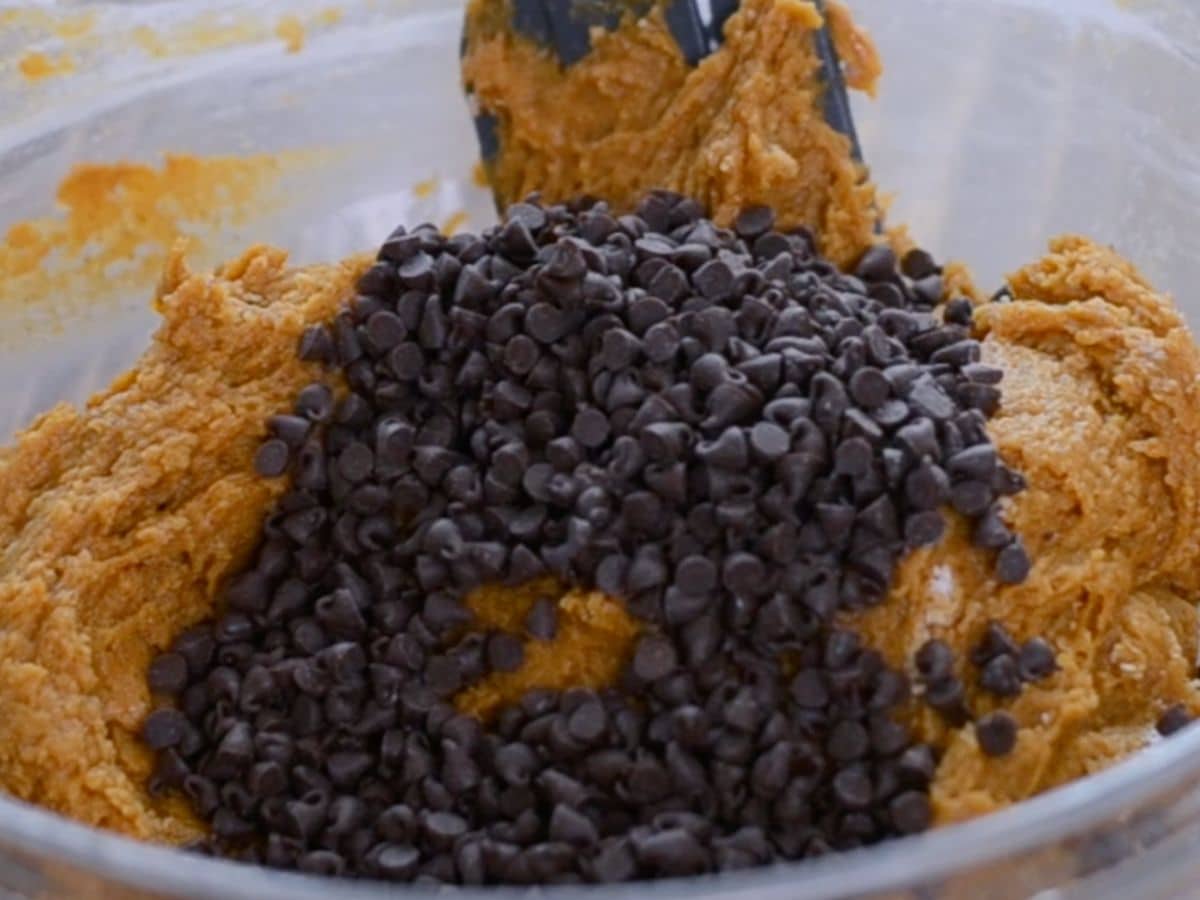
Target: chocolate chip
947, 697
714, 426
168, 674
1037, 660
315, 403
696, 575
542, 621
571, 827
848, 741
935, 660
878, 263
996, 641
1013, 564
654, 658
927, 486
996, 733
164, 728
591, 428
990, 531
272, 458
754, 221
504, 653
316, 345
971, 498
924, 529
672, 852
1001, 677
910, 812
1174, 719
588, 722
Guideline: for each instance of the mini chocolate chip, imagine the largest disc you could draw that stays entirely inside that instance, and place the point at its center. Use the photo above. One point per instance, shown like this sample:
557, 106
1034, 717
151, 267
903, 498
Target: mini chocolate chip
315, 403
696, 575
1175, 718
316, 345
996, 641
168, 674
754, 221
935, 660
504, 653
848, 741
591, 428
272, 458
947, 697
654, 658
971, 498
1037, 660
990, 531
910, 812
996, 733
877, 264
1013, 564
164, 728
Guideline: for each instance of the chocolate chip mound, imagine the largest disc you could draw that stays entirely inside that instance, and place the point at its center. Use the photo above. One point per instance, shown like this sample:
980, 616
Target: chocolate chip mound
714, 425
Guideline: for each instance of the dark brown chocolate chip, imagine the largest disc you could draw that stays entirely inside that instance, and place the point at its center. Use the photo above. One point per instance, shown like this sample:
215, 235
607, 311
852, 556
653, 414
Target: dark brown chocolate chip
591, 428
996, 641
924, 529
911, 812
996, 733
1001, 677
971, 498
654, 658
696, 575
848, 741
316, 345
504, 653
1037, 660
754, 221
542, 621
272, 458
315, 403
947, 697
1175, 718
935, 660
1013, 564
168, 674
877, 264
164, 728
990, 531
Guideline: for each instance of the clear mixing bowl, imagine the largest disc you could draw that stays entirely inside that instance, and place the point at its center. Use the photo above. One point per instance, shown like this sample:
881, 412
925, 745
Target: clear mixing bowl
1001, 123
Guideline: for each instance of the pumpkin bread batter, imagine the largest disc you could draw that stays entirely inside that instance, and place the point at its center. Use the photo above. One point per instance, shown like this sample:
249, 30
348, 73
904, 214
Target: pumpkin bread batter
121, 523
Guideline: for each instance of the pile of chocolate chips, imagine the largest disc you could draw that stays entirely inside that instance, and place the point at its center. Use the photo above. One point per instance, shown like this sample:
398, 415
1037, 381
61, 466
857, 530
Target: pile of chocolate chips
1004, 669
717, 427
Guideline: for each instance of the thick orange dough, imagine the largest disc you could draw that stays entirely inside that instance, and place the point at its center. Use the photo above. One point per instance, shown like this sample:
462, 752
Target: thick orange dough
594, 639
1101, 412
741, 128
120, 522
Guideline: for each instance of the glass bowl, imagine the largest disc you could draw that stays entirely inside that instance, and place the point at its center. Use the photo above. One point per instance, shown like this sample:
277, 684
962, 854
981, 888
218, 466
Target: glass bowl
1000, 124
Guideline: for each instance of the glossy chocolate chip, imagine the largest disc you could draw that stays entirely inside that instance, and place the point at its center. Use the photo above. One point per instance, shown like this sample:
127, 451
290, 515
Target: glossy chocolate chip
997, 734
